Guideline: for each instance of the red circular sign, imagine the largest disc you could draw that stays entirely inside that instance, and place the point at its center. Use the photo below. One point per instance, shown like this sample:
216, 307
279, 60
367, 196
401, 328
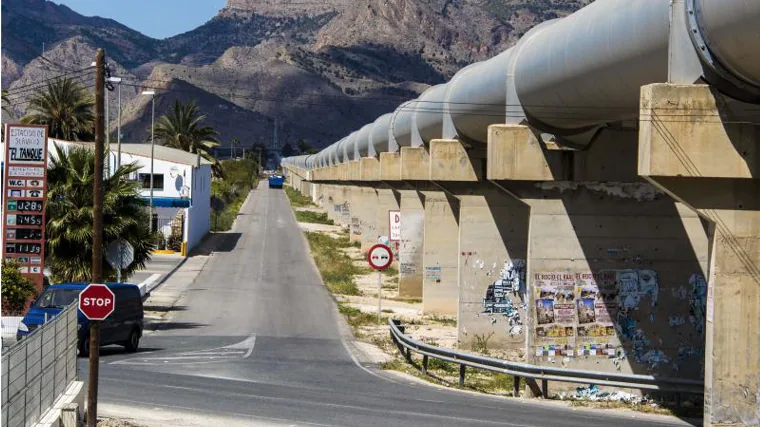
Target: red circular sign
380, 257
97, 302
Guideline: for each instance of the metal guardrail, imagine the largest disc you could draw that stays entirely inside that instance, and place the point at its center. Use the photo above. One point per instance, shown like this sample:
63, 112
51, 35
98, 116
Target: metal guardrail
38, 369
543, 373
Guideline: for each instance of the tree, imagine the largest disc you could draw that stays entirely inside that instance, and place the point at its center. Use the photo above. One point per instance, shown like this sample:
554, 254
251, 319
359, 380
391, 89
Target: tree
183, 129
70, 211
66, 107
287, 150
234, 142
303, 147
260, 147
16, 289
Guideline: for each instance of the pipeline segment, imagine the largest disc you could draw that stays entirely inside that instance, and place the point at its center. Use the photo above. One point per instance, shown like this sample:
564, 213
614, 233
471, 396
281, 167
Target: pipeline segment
574, 75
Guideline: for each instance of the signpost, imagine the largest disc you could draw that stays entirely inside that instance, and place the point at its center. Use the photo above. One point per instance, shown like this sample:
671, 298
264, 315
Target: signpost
24, 187
379, 257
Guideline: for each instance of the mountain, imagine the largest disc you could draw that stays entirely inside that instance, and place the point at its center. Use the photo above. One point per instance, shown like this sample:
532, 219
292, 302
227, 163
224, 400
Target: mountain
320, 68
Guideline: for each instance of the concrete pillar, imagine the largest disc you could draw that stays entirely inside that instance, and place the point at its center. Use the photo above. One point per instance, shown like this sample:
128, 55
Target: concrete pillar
493, 246
440, 293
364, 202
615, 267
411, 245
316, 193
704, 149
331, 201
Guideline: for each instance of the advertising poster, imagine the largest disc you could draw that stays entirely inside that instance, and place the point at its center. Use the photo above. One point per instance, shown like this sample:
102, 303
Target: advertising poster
555, 314
597, 306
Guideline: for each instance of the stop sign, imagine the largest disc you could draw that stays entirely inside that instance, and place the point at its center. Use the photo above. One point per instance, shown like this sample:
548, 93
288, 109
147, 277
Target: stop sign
97, 302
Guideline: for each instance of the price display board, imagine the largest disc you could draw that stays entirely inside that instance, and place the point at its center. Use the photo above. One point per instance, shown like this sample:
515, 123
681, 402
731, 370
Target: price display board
23, 198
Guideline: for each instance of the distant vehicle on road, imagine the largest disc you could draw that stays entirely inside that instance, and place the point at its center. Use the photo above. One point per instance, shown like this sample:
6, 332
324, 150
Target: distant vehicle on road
276, 181
123, 327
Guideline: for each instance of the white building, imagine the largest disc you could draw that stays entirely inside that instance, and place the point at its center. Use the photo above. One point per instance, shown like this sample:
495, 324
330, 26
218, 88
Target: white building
181, 186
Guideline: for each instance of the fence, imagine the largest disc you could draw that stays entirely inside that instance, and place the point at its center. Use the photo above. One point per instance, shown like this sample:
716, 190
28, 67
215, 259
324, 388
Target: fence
38, 369
544, 373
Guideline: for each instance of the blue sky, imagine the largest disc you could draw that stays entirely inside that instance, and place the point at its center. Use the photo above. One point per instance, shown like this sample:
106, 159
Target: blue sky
165, 18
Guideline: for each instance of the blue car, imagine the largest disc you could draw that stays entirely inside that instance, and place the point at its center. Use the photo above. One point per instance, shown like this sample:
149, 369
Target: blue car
123, 327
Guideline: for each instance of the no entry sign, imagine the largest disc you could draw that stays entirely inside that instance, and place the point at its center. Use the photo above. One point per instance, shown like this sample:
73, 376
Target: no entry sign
380, 257
97, 302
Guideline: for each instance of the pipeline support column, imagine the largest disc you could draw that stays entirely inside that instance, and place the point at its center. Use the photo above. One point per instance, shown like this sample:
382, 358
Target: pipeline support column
440, 293
493, 236
709, 157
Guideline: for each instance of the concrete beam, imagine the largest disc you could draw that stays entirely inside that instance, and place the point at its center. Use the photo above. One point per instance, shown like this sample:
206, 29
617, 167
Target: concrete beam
451, 161
390, 166
516, 154
354, 170
415, 164
369, 169
695, 145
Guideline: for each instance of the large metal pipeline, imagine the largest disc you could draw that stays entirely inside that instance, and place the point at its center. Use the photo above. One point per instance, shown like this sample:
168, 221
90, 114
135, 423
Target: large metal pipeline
573, 75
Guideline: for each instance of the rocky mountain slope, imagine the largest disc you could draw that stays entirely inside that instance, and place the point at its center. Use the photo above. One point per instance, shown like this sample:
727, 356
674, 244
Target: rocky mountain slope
320, 68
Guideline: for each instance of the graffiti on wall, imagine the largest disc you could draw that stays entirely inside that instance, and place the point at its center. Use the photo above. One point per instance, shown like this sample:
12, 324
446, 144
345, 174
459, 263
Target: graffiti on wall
345, 212
356, 227
511, 281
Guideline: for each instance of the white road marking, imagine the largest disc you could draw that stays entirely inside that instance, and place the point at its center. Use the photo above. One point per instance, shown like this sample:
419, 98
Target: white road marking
238, 351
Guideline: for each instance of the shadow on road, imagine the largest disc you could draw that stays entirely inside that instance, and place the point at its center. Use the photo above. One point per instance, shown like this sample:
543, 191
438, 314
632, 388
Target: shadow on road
217, 242
170, 326
164, 308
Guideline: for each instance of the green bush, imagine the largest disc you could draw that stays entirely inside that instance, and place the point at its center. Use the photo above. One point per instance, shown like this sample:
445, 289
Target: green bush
297, 199
313, 217
337, 268
16, 289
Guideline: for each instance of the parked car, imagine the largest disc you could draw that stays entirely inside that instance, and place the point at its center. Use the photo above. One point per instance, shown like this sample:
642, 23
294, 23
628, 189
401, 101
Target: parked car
123, 327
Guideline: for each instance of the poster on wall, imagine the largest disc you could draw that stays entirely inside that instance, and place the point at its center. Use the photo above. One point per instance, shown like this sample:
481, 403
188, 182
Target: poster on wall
555, 314
597, 306
24, 187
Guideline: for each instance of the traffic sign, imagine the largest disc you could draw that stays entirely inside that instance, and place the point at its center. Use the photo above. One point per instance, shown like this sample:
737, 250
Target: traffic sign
97, 302
120, 254
394, 225
380, 257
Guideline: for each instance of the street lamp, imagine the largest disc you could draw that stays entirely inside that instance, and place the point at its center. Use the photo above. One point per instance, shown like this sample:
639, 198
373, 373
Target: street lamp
152, 94
116, 80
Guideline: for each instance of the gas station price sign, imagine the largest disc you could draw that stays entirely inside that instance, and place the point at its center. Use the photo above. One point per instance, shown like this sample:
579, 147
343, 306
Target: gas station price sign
23, 198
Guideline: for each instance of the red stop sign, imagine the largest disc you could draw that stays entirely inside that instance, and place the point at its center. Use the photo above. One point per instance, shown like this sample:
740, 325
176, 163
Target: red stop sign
97, 302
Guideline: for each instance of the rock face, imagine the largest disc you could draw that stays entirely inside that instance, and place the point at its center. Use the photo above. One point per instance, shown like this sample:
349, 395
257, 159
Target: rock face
320, 68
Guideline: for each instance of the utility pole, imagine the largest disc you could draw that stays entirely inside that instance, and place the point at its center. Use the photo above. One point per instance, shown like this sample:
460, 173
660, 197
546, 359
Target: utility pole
97, 236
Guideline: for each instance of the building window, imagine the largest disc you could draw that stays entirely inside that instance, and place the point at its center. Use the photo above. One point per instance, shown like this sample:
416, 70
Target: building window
158, 181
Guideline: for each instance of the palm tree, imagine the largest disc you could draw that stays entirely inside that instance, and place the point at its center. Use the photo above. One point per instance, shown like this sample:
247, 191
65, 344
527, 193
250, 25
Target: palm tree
70, 211
66, 107
182, 128
7, 108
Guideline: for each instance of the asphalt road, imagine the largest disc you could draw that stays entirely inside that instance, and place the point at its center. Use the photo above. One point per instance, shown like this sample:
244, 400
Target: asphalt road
255, 338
